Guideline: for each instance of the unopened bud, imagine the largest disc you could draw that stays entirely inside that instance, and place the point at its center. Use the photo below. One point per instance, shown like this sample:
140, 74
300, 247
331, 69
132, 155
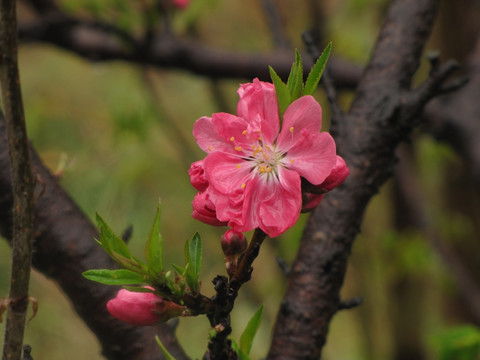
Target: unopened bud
142, 308
233, 243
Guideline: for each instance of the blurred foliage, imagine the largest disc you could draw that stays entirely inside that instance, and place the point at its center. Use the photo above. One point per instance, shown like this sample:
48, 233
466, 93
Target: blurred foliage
120, 135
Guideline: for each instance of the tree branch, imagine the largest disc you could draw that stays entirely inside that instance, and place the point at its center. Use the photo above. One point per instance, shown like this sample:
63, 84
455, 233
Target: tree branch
22, 183
382, 115
64, 248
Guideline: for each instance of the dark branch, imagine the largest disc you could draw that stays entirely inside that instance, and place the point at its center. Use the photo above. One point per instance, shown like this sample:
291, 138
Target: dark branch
22, 183
64, 248
382, 115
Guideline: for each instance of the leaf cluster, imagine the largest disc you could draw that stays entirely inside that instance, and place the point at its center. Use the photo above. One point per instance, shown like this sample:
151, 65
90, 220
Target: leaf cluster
295, 88
136, 274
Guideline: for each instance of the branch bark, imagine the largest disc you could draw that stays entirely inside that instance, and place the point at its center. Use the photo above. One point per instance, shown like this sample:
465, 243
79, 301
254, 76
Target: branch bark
22, 183
382, 115
64, 248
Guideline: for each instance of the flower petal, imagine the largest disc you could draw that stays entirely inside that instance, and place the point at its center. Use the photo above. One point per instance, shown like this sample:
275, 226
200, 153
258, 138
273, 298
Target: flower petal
304, 114
272, 204
207, 137
227, 173
313, 156
258, 102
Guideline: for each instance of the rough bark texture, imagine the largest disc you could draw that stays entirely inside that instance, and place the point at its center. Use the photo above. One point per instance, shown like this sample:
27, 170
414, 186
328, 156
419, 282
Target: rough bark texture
64, 247
382, 115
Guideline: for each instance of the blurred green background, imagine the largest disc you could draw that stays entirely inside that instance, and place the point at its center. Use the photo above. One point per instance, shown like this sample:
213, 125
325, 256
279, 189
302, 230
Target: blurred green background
120, 136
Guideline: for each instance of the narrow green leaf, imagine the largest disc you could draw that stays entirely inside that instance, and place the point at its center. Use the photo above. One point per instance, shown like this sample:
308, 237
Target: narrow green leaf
283, 94
240, 353
195, 251
179, 269
163, 349
154, 246
250, 331
295, 79
110, 240
114, 277
316, 72
140, 289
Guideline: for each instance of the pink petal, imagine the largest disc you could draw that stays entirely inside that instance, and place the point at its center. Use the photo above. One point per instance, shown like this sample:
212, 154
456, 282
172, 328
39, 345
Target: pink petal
258, 102
204, 208
207, 137
304, 114
197, 176
227, 173
310, 201
134, 307
234, 131
313, 156
272, 204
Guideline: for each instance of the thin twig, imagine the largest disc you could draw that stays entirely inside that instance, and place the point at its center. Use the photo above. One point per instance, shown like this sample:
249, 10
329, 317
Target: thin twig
23, 183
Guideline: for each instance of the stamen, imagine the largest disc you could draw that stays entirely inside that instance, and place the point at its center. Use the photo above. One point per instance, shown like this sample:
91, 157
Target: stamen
239, 166
244, 132
210, 148
243, 186
291, 129
238, 148
232, 139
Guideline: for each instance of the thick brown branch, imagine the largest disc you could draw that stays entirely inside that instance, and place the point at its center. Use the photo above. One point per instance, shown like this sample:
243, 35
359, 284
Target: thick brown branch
64, 248
380, 117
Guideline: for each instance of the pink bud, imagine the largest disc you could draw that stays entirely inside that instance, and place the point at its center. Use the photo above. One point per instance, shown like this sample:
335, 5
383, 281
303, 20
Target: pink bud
197, 176
233, 243
336, 177
204, 210
139, 308
310, 201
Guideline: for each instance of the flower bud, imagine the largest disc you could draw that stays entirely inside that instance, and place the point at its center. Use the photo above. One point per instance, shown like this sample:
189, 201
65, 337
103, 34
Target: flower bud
337, 176
138, 308
181, 4
310, 201
233, 243
204, 210
197, 176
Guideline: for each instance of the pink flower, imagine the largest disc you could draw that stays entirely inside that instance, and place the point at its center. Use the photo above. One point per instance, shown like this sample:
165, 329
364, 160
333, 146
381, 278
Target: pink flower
139, 308
254, 167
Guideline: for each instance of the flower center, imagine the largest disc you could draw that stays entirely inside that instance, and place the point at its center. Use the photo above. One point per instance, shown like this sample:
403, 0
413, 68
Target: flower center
267, 160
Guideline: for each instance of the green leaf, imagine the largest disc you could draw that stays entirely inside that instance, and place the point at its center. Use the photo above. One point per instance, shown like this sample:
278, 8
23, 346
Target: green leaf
195, 253
179, 269
114, 277
240, 353
316, 72
154, 246
282, 91
164, 350
112, 243
250, 331
295, 79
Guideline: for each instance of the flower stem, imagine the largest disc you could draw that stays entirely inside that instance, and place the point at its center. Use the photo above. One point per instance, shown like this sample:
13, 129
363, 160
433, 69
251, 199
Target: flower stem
244, 268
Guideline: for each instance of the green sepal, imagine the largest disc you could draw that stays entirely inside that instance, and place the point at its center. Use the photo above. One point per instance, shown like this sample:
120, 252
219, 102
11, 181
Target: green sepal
154, 246
114, 277
316, 72
163, 349
295, 79
246, 339
282, 92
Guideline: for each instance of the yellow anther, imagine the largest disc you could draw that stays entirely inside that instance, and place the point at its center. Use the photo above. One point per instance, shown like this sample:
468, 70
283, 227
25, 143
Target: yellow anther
238, 148
239, 166
244, 132
210, 148
232, 139
243, 186
261, 169
292, 161
291, 129
268, 169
